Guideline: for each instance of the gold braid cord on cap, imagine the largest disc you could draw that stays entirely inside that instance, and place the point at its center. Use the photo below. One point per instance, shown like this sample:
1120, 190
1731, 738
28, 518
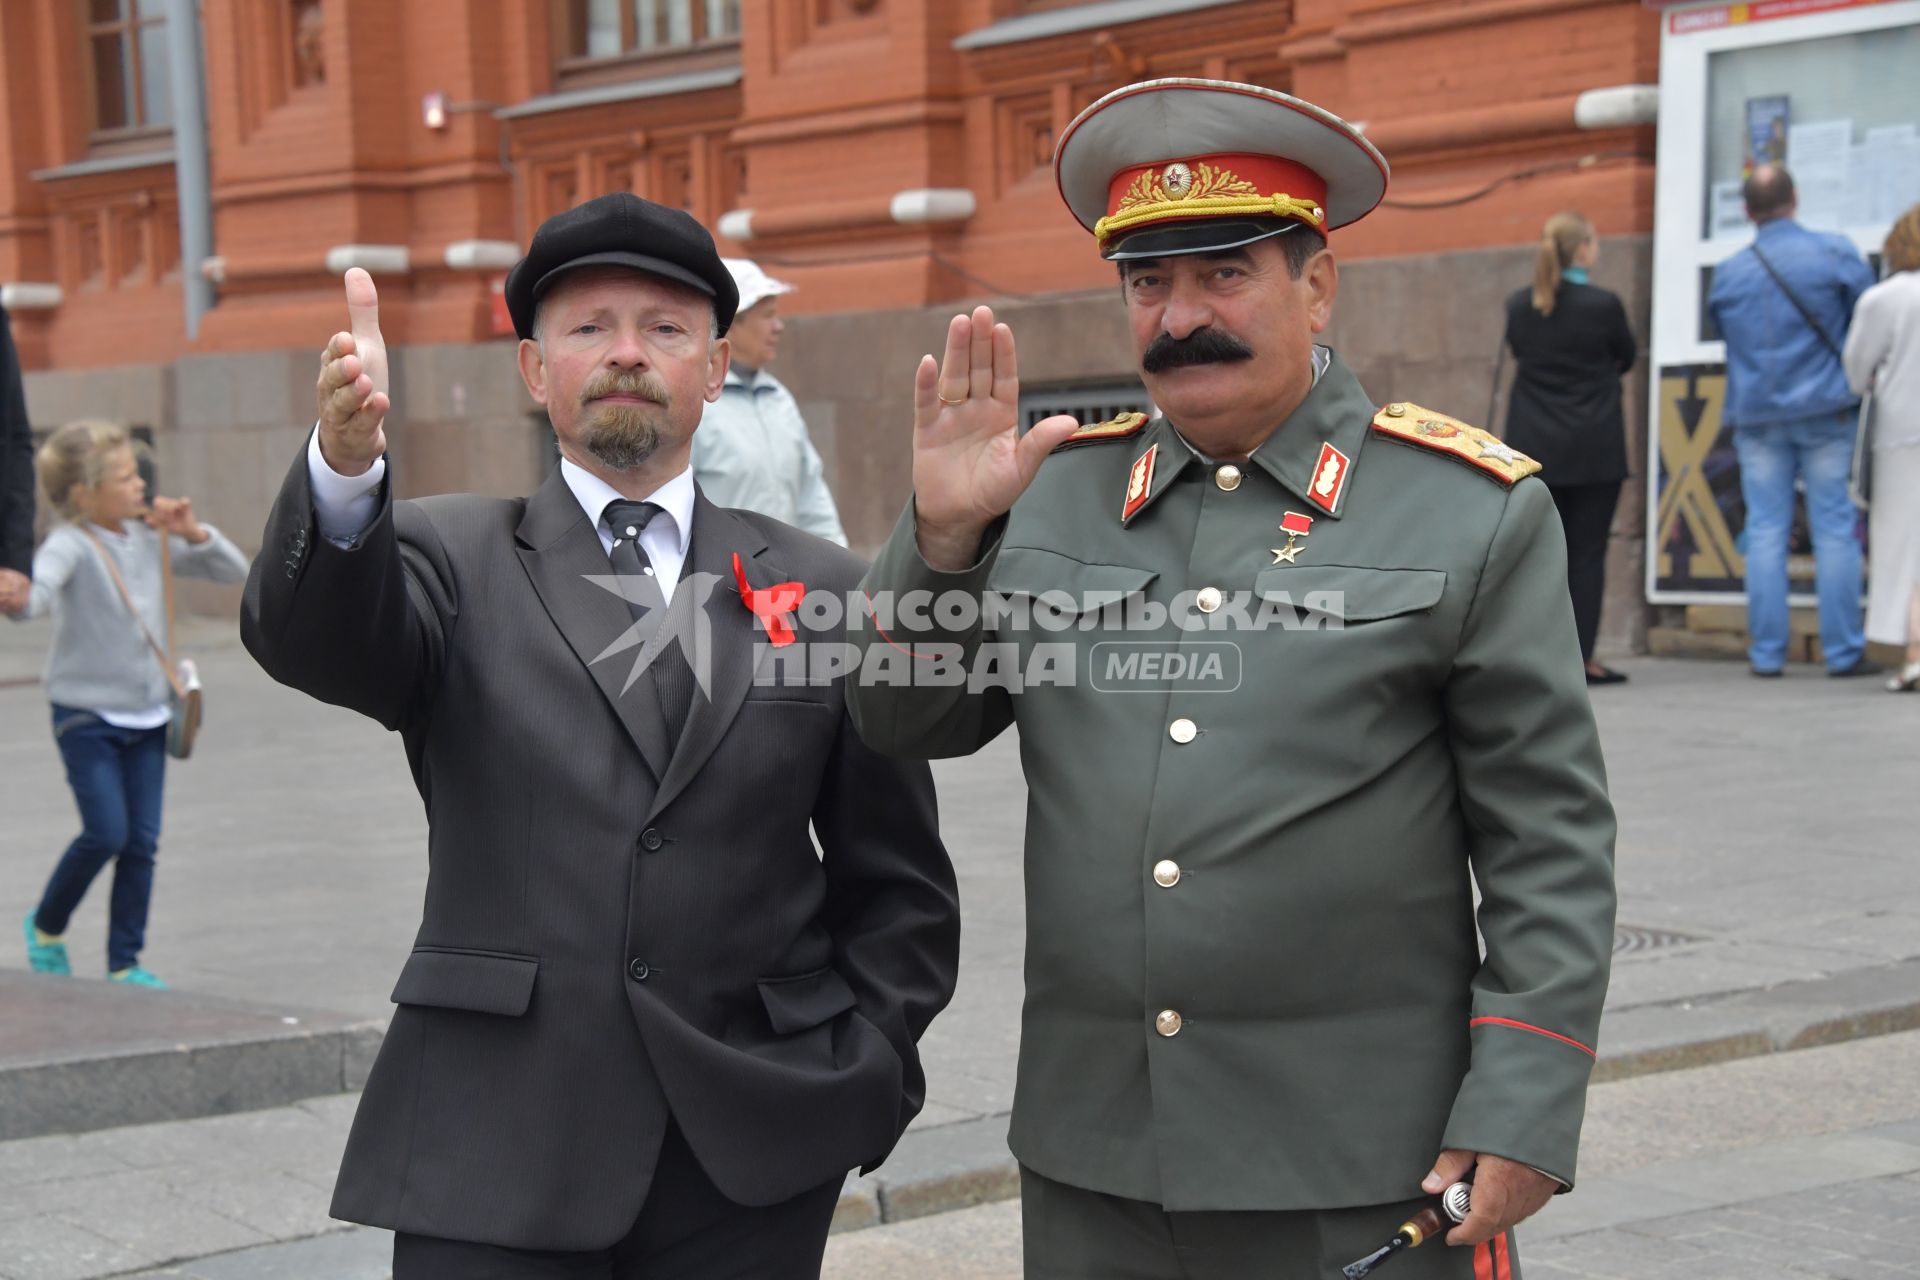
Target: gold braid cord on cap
1212, 192
1482, 450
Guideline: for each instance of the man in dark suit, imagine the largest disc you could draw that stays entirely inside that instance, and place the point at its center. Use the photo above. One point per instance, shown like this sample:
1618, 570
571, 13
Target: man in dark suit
645, 1029
16, 473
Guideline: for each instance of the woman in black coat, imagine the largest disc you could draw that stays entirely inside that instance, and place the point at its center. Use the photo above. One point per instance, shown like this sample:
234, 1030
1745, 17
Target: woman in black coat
1571, 343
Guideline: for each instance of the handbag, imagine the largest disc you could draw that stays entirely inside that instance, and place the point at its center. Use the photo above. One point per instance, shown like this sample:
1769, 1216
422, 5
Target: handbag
1860, 478
183, 677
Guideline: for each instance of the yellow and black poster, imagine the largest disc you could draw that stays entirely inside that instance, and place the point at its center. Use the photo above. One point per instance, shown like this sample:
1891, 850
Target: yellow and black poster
1698, 544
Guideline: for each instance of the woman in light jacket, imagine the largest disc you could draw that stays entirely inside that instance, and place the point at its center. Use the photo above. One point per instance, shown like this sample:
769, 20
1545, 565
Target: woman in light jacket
1883, 356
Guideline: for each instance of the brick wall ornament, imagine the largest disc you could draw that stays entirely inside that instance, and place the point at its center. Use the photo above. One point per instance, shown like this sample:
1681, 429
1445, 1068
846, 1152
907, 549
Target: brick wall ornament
30, 295
309, 43
380, 259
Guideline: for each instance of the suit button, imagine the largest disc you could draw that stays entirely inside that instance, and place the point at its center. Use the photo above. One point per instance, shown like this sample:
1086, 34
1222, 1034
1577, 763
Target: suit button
1168, 1023
1208, 599
638, 971
651, 839
1166, 873
1227, 477
1183, 730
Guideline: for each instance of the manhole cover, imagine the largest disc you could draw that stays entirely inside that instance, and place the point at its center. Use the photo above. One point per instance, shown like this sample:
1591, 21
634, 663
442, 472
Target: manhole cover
1631, 939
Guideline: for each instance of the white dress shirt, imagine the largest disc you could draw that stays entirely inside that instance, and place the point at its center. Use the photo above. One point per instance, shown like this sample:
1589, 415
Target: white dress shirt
344, 506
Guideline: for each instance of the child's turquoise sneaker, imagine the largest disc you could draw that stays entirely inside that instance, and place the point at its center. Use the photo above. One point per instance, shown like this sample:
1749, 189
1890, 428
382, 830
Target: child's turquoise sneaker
45, 957
137, 977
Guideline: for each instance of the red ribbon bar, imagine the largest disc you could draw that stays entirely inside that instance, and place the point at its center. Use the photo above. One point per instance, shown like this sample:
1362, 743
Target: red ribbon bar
770, 605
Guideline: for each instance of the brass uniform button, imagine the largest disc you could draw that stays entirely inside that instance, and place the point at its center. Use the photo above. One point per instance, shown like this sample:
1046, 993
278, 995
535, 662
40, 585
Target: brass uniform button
1227, 477
1168, 1023
1396, 410
1208, 599
1166, 873
1183, 730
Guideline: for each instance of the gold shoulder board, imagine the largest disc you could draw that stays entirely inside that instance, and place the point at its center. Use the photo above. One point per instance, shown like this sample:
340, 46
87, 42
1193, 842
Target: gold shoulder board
1127, 424
1471, 445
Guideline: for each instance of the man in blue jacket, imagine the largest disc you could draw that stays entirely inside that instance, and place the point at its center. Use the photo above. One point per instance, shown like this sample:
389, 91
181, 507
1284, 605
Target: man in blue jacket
1783, 305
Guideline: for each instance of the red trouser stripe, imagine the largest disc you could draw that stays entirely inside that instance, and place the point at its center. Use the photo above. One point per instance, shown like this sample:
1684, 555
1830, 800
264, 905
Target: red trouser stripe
1502, 1262
1483, 1262
1528, 1026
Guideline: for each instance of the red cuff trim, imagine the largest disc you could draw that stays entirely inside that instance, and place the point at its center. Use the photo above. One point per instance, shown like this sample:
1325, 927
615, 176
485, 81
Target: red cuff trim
1528, 1026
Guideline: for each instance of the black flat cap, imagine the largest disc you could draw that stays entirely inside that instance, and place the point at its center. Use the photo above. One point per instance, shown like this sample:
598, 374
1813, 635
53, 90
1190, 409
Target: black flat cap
620, 230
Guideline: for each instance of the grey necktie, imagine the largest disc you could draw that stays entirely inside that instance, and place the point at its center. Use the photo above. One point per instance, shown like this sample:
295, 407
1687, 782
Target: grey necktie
673, 680
628, 520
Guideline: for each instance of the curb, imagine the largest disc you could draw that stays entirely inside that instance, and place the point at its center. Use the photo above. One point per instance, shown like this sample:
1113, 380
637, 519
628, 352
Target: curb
79, 1055
1874, 1001
958, 1166
246, 1058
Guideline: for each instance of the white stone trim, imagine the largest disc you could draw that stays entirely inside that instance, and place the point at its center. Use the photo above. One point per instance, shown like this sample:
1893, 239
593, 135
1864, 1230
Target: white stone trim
482, 255
933, 204
601, 95
30, 295
1620, 106
379, 259
214, 269
1080, 17
736, 224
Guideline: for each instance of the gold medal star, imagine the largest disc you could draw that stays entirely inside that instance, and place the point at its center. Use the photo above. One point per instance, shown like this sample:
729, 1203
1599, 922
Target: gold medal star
1285, 554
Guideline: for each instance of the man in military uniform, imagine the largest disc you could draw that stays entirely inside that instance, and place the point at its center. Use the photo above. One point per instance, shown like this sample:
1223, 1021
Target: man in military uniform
1258, 1027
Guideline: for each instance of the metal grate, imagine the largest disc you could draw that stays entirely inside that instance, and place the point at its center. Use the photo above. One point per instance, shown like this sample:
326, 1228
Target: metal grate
1633, 939
1088, 404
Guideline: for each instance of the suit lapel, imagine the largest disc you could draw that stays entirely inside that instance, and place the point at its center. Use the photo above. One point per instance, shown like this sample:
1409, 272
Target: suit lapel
717, 534
561, 552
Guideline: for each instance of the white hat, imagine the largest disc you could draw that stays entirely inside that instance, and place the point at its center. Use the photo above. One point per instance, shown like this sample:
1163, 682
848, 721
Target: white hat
755, 285
1192, 166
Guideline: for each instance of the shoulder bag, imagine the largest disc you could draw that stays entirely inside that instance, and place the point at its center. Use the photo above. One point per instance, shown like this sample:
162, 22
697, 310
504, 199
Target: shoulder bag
183, 678
1860, 477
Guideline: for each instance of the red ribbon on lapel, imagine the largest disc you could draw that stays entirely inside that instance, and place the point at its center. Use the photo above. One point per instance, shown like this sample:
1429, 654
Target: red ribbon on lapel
770, 605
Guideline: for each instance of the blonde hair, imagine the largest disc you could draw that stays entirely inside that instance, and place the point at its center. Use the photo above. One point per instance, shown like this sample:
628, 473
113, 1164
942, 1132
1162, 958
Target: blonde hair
1559, 241
1901, 252
77, 454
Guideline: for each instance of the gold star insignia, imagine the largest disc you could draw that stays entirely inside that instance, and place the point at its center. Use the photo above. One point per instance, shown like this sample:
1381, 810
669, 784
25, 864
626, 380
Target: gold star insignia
1285, 554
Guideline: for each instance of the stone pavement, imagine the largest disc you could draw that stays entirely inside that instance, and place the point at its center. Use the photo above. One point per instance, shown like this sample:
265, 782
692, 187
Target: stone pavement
1769, 898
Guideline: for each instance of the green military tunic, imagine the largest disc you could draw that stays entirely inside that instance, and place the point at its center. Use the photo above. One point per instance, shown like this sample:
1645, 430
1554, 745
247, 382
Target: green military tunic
1253, 979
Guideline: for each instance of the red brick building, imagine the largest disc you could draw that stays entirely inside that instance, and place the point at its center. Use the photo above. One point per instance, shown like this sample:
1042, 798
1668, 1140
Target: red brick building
888, 156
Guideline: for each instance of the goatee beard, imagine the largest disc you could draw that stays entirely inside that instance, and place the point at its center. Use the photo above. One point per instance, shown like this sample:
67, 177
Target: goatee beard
623, 436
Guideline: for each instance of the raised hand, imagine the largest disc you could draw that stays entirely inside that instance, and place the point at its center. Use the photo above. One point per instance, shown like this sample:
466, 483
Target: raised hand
175, 515
970, 461
1505, 1192
352, 393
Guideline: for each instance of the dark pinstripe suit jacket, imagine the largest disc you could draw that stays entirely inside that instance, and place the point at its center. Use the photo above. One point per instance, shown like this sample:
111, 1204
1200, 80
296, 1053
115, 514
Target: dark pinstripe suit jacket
612, 932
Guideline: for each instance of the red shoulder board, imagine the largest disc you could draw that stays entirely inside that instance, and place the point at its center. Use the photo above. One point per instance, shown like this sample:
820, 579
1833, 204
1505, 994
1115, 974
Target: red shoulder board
1127, 424
1479, 449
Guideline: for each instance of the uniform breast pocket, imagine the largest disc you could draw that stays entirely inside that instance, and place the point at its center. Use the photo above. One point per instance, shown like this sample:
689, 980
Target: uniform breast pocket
1063, 586
1334, 597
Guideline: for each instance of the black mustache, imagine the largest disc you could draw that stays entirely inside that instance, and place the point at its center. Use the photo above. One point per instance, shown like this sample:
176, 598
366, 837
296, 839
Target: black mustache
1202, 346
